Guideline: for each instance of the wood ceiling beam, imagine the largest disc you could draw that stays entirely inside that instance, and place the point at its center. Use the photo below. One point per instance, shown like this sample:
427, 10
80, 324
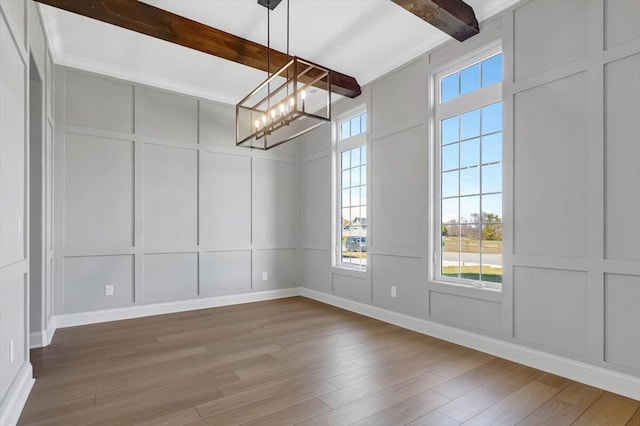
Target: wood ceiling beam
454, 17
159, 23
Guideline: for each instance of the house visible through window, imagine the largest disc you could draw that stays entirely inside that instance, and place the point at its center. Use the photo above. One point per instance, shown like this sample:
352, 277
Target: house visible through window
469, 194
351, 241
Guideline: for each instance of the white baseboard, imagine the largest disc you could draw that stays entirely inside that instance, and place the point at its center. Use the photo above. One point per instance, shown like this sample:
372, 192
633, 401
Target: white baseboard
592, 375
83, 318
51, 330
17, 395
37, 339
40, 339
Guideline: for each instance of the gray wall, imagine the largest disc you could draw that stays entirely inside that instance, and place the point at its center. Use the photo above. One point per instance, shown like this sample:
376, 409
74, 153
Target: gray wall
14, 289
20, 36
40, 180
153, 198
35, 195
571, 200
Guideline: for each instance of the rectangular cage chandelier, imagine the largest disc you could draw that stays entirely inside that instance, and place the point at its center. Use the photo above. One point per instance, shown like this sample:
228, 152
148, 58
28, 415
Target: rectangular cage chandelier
293, 101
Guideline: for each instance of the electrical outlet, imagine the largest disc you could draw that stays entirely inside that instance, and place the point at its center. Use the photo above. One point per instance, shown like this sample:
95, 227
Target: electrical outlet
108, 290
12, 352
393, 291
19, 225
264, 276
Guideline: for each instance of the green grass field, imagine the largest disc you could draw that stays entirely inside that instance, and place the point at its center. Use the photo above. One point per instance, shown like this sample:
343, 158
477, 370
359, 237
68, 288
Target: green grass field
473, 273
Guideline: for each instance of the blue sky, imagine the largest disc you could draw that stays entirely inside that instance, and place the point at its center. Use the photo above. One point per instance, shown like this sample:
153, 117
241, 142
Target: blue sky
471, 146
471, 163
472, 78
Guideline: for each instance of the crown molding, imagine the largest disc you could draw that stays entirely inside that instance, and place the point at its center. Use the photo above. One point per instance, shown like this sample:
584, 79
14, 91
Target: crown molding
146, 79
62, 58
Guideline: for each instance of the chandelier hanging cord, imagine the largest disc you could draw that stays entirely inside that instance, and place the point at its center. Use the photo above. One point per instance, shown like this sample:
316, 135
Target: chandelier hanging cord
268, 42
268, 53
288, 74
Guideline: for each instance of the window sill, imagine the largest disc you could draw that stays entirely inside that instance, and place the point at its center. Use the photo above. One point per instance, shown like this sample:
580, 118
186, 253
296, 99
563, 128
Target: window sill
468, 290
349, 271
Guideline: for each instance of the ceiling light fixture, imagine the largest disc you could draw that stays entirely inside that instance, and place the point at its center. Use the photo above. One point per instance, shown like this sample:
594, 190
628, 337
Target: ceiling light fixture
292, 101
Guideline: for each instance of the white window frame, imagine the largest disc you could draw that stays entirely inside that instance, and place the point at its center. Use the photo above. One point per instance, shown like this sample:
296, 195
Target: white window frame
340, 146
459, 105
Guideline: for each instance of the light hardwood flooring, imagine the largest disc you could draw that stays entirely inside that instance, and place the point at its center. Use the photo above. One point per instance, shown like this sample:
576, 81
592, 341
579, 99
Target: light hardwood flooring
294, 361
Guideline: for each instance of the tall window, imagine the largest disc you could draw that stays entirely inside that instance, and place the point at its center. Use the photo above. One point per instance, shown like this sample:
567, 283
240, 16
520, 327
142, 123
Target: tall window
469, 194
351, 241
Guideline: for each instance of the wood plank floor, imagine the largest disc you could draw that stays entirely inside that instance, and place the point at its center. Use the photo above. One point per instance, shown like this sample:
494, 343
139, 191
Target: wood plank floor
294, 361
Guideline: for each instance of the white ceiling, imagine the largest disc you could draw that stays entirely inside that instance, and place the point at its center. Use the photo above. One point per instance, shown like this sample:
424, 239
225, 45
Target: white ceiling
361, 38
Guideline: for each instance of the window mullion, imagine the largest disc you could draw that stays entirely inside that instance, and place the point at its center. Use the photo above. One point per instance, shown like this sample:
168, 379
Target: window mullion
480, 251
470, 101
459, 204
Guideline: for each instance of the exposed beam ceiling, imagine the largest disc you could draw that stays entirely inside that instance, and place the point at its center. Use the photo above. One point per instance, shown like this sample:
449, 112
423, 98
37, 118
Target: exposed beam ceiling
454, 17
159, 23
